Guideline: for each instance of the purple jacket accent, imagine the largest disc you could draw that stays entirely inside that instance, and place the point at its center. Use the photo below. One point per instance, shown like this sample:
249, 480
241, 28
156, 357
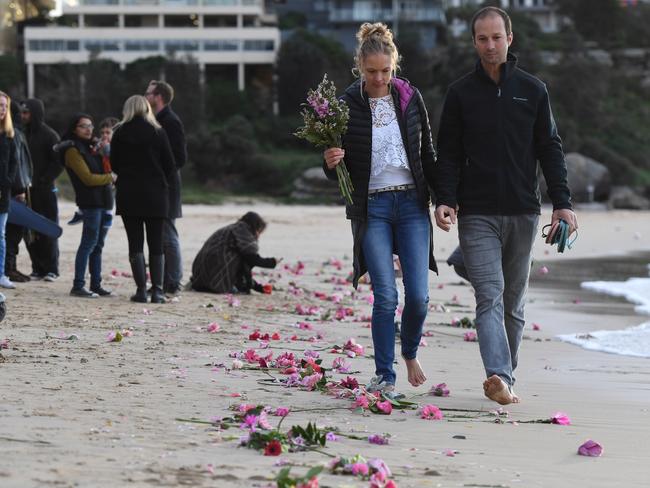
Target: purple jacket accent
405, 91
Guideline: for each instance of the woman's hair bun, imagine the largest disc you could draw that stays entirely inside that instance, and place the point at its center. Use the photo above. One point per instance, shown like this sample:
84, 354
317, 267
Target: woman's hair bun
378, 30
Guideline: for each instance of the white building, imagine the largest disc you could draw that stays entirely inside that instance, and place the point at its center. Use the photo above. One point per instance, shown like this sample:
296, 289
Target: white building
214, 32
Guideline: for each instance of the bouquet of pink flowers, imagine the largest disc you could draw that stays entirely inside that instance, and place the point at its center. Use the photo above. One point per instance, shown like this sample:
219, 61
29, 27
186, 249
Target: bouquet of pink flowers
326, 120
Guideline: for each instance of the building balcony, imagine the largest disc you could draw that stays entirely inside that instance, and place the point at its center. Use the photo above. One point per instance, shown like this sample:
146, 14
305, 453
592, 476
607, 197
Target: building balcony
246, 7
357, 15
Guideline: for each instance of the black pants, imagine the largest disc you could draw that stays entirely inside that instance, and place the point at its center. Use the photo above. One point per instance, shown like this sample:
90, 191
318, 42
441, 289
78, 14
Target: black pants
135, 234
44, 250
13, 235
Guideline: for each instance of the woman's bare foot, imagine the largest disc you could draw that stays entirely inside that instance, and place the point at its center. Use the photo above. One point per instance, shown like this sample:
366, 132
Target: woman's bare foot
415, 374
497, 390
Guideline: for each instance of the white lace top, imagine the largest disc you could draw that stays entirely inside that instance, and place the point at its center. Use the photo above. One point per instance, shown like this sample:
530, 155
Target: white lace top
389, 164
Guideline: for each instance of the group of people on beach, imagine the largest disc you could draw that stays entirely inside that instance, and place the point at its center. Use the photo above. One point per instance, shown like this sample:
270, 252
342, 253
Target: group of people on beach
496, 125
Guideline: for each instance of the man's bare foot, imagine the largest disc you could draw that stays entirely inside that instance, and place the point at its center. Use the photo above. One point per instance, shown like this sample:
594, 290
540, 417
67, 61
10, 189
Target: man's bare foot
497, 390
415, 374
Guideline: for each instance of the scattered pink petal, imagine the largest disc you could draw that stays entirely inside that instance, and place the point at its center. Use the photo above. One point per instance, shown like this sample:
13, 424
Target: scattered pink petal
146, 311
431, 412
543, 270
4, 344
378, 439
233, 301
561, 418
450, 452
423, 342
213, 327
359, 469
440, 390
114, 336
210, 469
590, 448
234, 395
536, 327
281, 411
470, 336
384, 407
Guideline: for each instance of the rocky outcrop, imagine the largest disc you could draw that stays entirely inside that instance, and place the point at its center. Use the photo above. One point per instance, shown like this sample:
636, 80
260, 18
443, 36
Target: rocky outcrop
624, 197
312, 184
589, 180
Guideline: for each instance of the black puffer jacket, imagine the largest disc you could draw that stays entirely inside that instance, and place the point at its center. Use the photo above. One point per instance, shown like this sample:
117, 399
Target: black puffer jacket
7, 169
416, 134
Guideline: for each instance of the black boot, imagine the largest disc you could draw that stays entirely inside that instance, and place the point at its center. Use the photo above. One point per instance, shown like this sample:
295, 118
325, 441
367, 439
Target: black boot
157, 270
139, 276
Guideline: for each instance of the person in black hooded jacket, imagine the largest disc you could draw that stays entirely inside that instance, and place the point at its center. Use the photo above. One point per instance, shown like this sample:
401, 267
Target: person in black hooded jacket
389, 154
143, 161
41, 139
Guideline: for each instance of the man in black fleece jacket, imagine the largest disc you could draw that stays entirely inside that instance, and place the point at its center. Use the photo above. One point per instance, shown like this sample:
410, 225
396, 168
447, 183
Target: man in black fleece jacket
44, 250
495, 126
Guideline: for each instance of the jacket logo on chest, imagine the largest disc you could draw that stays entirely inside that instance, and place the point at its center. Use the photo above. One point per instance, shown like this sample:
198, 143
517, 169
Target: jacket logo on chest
520, 99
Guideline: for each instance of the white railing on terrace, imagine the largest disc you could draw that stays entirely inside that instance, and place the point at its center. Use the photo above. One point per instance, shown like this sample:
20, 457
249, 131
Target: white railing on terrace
158, 45
384, 14
192, 3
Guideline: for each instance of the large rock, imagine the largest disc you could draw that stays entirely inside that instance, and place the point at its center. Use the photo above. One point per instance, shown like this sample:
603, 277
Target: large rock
589, 180
626, 198
312, 184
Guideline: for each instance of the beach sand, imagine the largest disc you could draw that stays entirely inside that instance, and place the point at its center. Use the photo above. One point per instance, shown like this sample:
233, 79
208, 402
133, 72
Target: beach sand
91, 413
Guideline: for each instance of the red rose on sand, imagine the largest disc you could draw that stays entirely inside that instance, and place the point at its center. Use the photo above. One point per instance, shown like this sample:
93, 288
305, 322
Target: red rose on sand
268, 288
273, 448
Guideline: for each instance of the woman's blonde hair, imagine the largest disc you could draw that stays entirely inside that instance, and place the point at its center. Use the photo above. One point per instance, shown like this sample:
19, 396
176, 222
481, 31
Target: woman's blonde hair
138, 106
7, 125
375, 38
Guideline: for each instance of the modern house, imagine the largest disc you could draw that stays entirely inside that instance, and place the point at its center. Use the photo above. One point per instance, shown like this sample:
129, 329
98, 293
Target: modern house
234, 33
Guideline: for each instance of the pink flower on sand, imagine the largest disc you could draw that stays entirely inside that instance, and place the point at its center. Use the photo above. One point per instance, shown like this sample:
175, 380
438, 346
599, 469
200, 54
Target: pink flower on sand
362, 401
536, 327
341, 365
561, 419
379, 466
281, 411
311, 381
378, 439
250, 422
351, 345
251, 356
440, 390
543, 270
114, 336
590, 448
311, 354
233, 301
431, 412
213, 327
359, 469
470, 336
385, 407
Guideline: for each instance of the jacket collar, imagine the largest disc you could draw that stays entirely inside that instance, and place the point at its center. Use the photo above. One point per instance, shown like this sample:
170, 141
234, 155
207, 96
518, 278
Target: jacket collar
400, 88
506, 68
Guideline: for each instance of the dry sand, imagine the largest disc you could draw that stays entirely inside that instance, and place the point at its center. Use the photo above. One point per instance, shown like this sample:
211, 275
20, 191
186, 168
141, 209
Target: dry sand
91, 413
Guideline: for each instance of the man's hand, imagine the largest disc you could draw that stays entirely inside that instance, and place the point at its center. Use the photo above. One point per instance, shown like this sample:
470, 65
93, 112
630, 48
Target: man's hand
20, 197
333, 156
565, 214
445, 217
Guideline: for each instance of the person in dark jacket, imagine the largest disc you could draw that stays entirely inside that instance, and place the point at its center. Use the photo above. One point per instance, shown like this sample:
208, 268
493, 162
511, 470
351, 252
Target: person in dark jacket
160, 94
7, 173
93, 195
41, 138
390, 157
226, 259
19, 192
143, 161
495, 126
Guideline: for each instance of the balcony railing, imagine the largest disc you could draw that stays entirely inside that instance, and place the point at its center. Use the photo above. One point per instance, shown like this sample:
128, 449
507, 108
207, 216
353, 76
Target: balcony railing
385, 14
182, 3
151, 45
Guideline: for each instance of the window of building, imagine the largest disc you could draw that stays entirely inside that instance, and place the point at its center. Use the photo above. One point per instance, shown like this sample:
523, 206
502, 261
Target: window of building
258, 45
140, 2
142, 45
181, 45
101, 21
99, 2
68, 21
53, 45
179, 3
98, 45
182, 20
220, 2
219, 20
221, 45
141, 21
250, 21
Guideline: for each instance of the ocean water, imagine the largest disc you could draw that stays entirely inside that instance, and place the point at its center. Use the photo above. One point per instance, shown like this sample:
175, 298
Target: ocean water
633, 341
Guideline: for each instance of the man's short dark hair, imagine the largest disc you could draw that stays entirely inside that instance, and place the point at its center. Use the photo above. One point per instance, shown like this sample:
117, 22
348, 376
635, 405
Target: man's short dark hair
108, 122
489, 11
163, 89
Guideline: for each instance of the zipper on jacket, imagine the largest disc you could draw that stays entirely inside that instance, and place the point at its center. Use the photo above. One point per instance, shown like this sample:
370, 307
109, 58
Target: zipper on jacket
498, 92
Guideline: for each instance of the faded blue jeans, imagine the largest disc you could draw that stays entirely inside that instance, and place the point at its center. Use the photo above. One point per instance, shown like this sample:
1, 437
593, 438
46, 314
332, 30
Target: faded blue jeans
90, 248
397, 223
173, 260
3, 242
497, 254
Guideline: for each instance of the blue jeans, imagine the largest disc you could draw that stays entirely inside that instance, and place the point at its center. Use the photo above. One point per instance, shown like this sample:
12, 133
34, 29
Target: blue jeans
3, 242
497, 254
173, 260
89, 253
397, 223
